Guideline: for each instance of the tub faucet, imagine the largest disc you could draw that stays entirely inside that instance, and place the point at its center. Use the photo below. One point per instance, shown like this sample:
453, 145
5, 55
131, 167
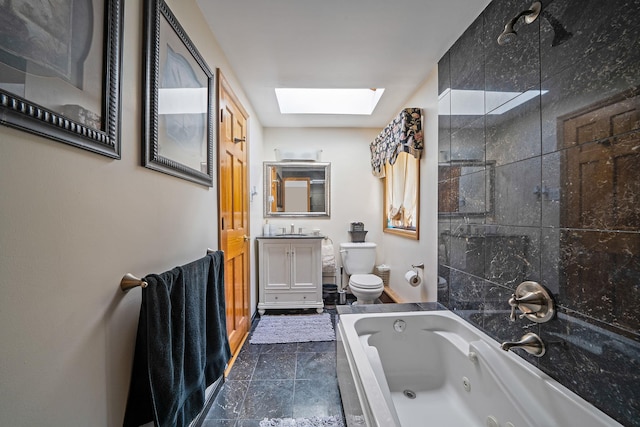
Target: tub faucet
530, 342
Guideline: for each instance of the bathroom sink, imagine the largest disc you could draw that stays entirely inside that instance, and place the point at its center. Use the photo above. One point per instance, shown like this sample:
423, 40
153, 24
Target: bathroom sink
293, 235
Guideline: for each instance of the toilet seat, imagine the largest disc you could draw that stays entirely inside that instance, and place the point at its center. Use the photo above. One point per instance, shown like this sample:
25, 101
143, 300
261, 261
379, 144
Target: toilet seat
366, 281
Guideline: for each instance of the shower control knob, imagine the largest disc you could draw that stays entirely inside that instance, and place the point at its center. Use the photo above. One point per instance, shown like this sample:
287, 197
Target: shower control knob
534, 301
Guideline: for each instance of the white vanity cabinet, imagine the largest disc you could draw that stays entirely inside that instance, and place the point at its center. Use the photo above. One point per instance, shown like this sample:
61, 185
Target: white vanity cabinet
290, 273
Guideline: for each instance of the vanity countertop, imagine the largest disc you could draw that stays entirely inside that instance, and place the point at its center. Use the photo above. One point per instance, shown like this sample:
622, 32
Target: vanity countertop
292, 236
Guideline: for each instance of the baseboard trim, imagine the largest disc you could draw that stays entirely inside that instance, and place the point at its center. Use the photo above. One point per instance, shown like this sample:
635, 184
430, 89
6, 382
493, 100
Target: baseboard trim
235, 356
215, 389
389, 296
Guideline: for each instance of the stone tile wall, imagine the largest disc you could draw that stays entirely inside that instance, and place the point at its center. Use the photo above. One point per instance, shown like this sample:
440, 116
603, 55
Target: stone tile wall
539, 175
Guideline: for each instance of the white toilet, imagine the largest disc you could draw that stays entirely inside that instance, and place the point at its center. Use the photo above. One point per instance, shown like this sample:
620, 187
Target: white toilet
358, 260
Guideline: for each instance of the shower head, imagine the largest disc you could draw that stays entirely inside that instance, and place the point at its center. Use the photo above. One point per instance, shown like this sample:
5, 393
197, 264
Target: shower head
506, 38
509, 34
530, 15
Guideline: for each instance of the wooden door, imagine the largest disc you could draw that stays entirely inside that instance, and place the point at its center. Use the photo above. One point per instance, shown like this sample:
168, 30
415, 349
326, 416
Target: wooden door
602, 193
234, 213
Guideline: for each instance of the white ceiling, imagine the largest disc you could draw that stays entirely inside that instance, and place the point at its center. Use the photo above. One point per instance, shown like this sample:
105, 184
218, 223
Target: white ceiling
391, 44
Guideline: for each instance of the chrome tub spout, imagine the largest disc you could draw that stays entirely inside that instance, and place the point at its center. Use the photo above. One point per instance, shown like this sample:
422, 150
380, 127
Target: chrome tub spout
530, 342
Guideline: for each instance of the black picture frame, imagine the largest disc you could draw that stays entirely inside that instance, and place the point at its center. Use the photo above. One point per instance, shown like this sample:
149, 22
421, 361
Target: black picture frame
176, 142
74, 124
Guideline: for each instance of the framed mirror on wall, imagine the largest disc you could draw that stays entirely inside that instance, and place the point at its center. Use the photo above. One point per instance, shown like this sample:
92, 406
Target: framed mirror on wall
401, 207
297, 189
179, 100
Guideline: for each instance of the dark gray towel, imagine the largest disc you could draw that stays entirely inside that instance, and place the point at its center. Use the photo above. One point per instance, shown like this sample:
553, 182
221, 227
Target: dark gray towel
218, 351
182, 344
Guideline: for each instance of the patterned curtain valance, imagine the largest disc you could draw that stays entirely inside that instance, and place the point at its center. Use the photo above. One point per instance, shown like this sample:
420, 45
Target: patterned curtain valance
404, 133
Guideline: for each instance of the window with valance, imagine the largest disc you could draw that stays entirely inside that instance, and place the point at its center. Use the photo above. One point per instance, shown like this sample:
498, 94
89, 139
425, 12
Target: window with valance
395, 158
403, 134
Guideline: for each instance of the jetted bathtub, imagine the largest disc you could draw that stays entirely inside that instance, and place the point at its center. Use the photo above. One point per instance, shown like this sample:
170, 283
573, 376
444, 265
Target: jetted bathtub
431, 368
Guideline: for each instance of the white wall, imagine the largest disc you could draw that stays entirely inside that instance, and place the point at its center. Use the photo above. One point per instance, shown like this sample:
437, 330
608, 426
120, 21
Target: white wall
398, 252
72, 224
255, 203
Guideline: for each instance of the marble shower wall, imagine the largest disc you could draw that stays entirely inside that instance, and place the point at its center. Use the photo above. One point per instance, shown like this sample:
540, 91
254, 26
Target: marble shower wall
539, 179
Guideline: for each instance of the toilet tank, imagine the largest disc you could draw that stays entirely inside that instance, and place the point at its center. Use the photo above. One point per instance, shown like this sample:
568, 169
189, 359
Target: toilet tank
358, 258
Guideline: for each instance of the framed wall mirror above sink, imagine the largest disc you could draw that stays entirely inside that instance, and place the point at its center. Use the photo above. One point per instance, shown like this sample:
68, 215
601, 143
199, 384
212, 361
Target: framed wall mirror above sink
297, 189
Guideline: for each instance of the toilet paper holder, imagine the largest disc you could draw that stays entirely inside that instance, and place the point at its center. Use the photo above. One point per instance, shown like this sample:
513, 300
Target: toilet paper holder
416, 279
413, 277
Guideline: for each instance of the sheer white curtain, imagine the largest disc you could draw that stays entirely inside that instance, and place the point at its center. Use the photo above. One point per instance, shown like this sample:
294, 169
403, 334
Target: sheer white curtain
401, 180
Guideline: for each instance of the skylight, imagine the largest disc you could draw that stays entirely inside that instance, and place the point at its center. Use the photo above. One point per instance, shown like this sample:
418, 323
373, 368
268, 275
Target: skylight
328, 101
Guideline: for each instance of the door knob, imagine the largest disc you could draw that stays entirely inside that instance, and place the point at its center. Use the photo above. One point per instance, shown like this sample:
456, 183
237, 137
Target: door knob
246, 238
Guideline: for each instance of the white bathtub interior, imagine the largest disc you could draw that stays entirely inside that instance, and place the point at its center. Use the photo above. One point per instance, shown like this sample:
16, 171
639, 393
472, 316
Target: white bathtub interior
438, 370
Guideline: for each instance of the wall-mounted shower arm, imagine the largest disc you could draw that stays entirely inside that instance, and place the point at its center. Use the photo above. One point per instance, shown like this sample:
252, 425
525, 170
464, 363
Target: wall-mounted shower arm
530, 15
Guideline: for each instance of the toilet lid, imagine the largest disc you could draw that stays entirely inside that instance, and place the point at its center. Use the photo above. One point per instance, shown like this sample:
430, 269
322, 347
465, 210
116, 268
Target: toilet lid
366, 281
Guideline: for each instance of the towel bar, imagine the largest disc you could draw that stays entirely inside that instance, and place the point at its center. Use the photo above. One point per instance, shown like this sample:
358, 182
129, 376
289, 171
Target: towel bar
129, 281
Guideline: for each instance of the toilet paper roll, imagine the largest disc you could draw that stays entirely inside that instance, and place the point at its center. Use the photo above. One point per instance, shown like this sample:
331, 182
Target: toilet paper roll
412, 278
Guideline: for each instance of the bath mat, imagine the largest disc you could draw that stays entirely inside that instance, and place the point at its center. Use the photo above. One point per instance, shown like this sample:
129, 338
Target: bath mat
288, 328
303, 422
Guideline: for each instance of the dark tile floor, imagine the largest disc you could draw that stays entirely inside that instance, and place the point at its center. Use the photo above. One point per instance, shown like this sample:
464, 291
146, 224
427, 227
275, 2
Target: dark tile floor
295, 380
